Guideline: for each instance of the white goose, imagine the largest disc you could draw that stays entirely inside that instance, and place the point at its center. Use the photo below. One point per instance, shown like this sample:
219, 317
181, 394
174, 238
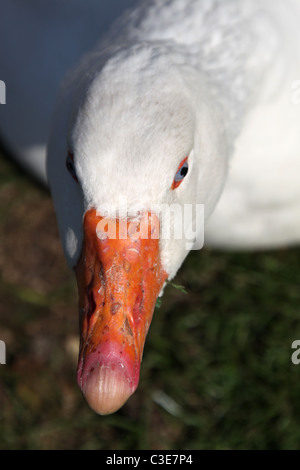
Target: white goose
182, 102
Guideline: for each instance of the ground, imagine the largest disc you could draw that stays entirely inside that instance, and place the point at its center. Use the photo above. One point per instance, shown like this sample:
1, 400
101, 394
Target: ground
216, 372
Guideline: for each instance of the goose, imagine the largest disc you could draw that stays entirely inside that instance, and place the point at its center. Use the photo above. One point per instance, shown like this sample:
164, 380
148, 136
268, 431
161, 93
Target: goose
179, 104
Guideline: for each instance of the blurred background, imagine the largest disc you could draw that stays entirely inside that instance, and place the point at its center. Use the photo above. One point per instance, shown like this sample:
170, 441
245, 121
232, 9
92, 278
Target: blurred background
216, 370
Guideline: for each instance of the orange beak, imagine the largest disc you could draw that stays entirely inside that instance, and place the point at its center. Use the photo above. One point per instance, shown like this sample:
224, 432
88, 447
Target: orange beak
119, 277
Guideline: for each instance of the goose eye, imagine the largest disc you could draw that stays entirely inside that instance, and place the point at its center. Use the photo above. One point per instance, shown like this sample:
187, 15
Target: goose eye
70, 166
181, 173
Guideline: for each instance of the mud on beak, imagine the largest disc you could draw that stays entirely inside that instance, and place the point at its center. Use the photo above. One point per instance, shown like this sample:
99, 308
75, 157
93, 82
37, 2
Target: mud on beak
119, 276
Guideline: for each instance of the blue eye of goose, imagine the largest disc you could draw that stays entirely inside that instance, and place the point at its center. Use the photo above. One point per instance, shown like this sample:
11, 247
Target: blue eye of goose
181, 173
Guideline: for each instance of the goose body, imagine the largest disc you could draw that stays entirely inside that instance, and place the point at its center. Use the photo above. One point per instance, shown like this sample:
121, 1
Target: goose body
204, 86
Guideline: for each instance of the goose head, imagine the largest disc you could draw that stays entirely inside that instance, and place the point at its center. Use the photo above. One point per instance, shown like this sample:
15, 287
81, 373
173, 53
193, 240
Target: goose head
134, 130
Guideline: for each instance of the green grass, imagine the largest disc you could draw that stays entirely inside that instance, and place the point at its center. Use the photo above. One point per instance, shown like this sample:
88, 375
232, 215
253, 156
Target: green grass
216, 371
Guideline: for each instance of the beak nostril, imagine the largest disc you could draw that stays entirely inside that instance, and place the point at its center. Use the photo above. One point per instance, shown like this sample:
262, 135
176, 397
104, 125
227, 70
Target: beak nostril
127, 328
